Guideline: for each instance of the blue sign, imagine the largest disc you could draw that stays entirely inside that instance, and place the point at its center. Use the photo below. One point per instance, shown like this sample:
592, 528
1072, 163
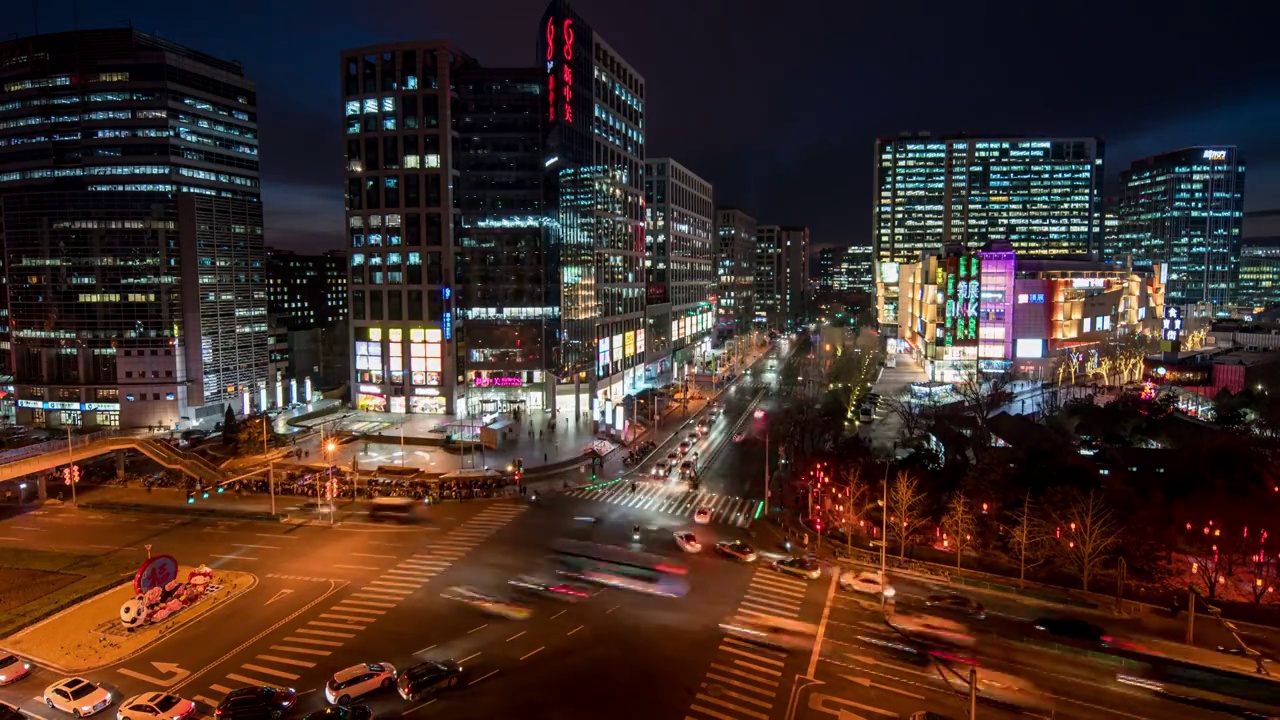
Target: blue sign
447, 292
446, 324
1037, 298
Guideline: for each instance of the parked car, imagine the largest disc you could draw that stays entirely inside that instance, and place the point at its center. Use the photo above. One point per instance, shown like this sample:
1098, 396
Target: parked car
260, 702
357, 681
13, 669
429, 678
77, 696
9, 712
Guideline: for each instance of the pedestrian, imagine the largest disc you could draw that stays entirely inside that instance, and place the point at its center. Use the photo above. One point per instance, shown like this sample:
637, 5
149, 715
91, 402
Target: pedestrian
545, 458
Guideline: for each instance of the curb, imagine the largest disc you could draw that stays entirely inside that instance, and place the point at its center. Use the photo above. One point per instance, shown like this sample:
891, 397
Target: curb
182, 511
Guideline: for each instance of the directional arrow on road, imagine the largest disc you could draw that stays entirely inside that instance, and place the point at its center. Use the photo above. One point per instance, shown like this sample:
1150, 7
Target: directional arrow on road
866, 682
279, 595
817, 701
176, 674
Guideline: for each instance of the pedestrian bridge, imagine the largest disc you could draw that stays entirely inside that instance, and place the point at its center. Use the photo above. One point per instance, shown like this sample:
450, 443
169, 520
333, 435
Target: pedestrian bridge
57, 453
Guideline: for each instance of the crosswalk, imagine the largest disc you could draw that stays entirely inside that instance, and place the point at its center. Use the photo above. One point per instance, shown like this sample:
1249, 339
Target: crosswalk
314, 640
744, 680
674, 499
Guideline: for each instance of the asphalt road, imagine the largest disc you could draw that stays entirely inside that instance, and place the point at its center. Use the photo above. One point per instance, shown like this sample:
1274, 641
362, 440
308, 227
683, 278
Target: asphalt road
331, 597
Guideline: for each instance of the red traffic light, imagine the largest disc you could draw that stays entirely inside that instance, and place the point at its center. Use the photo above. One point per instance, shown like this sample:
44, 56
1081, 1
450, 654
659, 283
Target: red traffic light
758, 414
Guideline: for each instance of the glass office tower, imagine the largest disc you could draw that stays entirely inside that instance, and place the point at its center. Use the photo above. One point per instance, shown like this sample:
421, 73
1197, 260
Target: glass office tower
1184, 210
593, 108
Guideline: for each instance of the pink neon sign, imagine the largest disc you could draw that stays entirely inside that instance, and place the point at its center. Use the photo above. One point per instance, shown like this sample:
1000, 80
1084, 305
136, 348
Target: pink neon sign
499, 382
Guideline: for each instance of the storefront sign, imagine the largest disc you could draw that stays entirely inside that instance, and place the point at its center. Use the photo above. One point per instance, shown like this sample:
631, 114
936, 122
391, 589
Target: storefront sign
156, 572
1080, 283
372, 389
56, 405
498, 382
446, 325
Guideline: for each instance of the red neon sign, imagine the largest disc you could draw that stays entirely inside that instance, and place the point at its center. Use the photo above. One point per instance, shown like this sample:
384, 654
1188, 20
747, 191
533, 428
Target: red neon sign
560, 93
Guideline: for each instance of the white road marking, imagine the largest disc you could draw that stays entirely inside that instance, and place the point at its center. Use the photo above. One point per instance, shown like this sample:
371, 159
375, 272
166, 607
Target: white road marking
269, 671
725, 668
574, 630
468, 658
197, 698
349, 618
395, 584
553, 617
738, 683
369, 604
753, 656
245, 680
286, 661
513, 637
477, 628
389, 557
343, 608
220, 688
490, 674
414, 709
277, 537
424, 650
302, 651
535, 652
743, 698
262, 547
309, 641
324, 633
344, 626
234, 557
356, 567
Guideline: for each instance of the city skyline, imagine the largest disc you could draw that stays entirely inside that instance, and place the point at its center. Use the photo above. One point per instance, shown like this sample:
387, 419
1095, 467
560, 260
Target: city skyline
1201, 98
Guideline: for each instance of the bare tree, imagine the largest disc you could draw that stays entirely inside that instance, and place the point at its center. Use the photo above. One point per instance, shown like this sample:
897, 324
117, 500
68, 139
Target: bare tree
906, 509
1089, 532
1030, 536
959, 525
914, 417
983, 397
1263, 568
851, 503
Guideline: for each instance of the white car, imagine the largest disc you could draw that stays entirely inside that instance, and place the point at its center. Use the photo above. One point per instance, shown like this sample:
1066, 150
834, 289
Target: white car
702, 515
155, 706
866, 582
687, 541
359, 680
76, 696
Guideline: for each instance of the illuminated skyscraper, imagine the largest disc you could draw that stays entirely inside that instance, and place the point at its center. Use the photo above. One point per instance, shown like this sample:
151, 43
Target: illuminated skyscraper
132, 229
1043, 196
782, 277
1184, 210
735, 270
594, 151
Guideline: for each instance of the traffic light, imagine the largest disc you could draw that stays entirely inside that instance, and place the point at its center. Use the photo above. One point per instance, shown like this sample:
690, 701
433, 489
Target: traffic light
519, 470
71, 475
221, 489
191, 497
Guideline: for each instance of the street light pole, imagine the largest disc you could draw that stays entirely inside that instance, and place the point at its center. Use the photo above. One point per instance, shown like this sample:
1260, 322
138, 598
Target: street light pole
884, 514
71, 462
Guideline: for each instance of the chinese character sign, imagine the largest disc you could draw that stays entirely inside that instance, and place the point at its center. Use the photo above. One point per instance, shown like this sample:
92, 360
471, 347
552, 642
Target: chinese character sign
559, 79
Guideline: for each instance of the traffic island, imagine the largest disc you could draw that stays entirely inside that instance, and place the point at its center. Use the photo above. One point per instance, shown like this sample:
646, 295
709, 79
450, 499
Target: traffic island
119, 623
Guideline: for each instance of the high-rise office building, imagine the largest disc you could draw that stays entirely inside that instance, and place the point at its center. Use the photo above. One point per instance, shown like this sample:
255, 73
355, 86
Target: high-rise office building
782, 277
679, 267
132, 227
735, 271
401, 158
594, 149
828, 264
855, 272
306, 291
1259, 284
506, 291
1183, 210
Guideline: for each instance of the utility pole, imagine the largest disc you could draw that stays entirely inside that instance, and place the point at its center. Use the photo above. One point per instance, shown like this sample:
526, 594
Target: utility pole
1191, 615
973, 693
884, 516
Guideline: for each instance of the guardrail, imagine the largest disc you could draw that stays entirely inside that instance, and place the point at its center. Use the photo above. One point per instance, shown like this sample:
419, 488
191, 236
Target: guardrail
49, 446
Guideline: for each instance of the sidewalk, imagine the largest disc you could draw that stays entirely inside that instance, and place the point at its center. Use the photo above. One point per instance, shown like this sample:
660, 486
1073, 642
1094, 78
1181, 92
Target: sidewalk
892, 383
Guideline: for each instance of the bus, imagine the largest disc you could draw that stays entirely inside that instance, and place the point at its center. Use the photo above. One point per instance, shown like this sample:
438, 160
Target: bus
620, 568
1228, 691
769, 631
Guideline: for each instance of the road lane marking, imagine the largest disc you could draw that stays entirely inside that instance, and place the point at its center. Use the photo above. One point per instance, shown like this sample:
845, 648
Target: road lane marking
356, 567
309, 641
380, 583
866, 682
367, 603
765, 586
741, 698
768, 601
342, 608
372, 555
739, 683
415, 709
735, 671
574, 630
269, 671
286, 661
753, 656
260, 547
233, 557
535, 652
376, 596
324, 633
349, 618
767, 609
758, 668
615, 607
344, 626
513, 637
246, 680
277, 537
220, 688
553, 617
424, 650
409, 575
197, 698
722, 716
757, 648
303, 651
490, 674
468, 658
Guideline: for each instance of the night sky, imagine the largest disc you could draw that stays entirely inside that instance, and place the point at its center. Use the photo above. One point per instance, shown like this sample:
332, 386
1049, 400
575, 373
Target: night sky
777, 104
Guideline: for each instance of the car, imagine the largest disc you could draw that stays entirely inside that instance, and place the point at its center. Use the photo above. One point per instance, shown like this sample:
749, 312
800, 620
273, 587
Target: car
490, 604
567, 591
933, 628
357, 681
702, 515
687, 541
155, 706
13, 669
342, 712
685, 447
738, 437
804, 567
662, 469
429, 678
9, 712
867, 582
686, 468
1072, 629
673, 456
703, 428
259, 702
76, 696
737, 549
958, 603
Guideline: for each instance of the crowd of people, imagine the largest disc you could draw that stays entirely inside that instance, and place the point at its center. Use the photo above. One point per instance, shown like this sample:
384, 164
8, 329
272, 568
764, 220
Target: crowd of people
315, 484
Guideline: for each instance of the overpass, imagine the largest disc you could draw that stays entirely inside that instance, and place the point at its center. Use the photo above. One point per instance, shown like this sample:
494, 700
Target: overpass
57, 453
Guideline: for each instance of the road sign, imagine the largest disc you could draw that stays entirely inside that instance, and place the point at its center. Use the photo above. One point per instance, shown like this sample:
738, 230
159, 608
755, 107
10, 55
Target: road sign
175, 673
